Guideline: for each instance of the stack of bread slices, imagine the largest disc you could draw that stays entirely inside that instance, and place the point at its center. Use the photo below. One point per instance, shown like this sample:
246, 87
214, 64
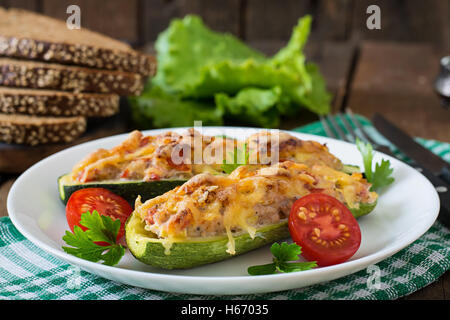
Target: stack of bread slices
52, 78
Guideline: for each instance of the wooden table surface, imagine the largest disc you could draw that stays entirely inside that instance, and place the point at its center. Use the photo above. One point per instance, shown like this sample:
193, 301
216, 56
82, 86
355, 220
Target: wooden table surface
391, 78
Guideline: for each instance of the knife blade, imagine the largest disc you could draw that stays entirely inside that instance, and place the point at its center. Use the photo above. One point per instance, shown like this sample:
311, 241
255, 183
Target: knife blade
412, 149
401, 142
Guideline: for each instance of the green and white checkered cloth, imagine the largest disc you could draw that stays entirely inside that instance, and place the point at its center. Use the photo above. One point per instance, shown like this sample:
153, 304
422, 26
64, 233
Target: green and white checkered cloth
27, 272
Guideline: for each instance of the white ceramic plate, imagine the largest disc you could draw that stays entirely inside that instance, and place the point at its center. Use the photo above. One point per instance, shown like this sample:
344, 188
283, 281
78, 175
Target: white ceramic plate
404, 212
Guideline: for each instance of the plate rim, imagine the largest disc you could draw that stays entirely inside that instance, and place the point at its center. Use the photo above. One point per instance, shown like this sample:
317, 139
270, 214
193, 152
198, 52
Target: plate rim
354, 265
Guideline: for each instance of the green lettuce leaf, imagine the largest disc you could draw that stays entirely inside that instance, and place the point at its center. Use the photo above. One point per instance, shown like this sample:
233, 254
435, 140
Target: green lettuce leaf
317, 99
197, 62
254, 106
215, 77
188, 48
291, 59
158, 109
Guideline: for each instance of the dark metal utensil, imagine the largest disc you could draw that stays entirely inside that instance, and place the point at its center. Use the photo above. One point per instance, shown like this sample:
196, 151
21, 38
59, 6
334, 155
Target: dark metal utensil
442, 82
435, 170
412, 149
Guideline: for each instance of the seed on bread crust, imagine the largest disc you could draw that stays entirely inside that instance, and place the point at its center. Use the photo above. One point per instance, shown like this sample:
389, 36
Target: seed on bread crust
29, 130
41, 75
32, 36
57, 103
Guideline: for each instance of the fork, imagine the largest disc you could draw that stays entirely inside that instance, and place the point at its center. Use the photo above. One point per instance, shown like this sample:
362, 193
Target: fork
334, 130
361, 133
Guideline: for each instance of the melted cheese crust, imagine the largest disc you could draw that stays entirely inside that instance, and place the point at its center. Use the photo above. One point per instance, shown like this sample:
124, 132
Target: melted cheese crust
147, 158
250, 197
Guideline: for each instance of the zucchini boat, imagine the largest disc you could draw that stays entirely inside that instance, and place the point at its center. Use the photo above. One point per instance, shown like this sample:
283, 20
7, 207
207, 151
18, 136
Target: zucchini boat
143, 165
130, 190
185, 254
211, 218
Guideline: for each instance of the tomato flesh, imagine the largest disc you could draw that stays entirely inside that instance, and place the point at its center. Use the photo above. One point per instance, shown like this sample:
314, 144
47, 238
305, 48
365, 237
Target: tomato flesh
324, 228
101, 200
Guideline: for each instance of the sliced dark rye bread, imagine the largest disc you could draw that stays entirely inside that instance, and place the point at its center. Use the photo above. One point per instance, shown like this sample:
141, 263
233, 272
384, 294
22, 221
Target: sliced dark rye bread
57, 103
30, 130
41, 75
29, 35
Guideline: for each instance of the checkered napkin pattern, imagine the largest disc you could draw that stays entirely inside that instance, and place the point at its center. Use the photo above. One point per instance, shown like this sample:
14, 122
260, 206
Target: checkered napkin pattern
27, 272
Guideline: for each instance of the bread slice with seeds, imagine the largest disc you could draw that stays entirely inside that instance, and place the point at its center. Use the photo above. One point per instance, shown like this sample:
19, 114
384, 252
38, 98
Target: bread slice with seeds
30, 130
32, 36
57, 103
42, 75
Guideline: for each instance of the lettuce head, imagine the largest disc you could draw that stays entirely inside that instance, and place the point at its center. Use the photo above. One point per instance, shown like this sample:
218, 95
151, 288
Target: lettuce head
217, 76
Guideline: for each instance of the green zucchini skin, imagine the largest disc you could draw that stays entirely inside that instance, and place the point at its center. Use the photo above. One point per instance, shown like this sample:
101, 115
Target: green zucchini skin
193, 253
349, 169
364, 209
129, 190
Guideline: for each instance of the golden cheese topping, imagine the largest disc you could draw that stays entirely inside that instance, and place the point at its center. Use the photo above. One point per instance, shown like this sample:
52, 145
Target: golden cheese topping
291, 148
250, 197
181, 156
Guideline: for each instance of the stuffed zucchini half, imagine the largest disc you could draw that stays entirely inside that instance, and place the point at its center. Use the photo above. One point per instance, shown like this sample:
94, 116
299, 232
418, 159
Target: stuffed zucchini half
214, 217
151, 165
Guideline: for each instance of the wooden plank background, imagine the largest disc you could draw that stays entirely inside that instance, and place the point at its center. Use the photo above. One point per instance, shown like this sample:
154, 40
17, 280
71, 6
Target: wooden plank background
389, 70
140, 21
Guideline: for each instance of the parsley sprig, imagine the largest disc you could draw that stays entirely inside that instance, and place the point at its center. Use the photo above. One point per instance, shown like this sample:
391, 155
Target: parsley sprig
240, 157
382, 175
283, 257
101, 228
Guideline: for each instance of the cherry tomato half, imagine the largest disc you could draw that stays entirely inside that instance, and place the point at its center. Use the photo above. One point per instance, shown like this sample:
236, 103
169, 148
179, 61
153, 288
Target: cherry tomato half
103, 201
324, 228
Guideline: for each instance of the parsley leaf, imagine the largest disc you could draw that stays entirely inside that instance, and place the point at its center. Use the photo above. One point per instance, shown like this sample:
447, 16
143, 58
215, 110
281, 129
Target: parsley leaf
366, 151
382, 175
285, 251
262, 269
100, 229
240, 157
282, 256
